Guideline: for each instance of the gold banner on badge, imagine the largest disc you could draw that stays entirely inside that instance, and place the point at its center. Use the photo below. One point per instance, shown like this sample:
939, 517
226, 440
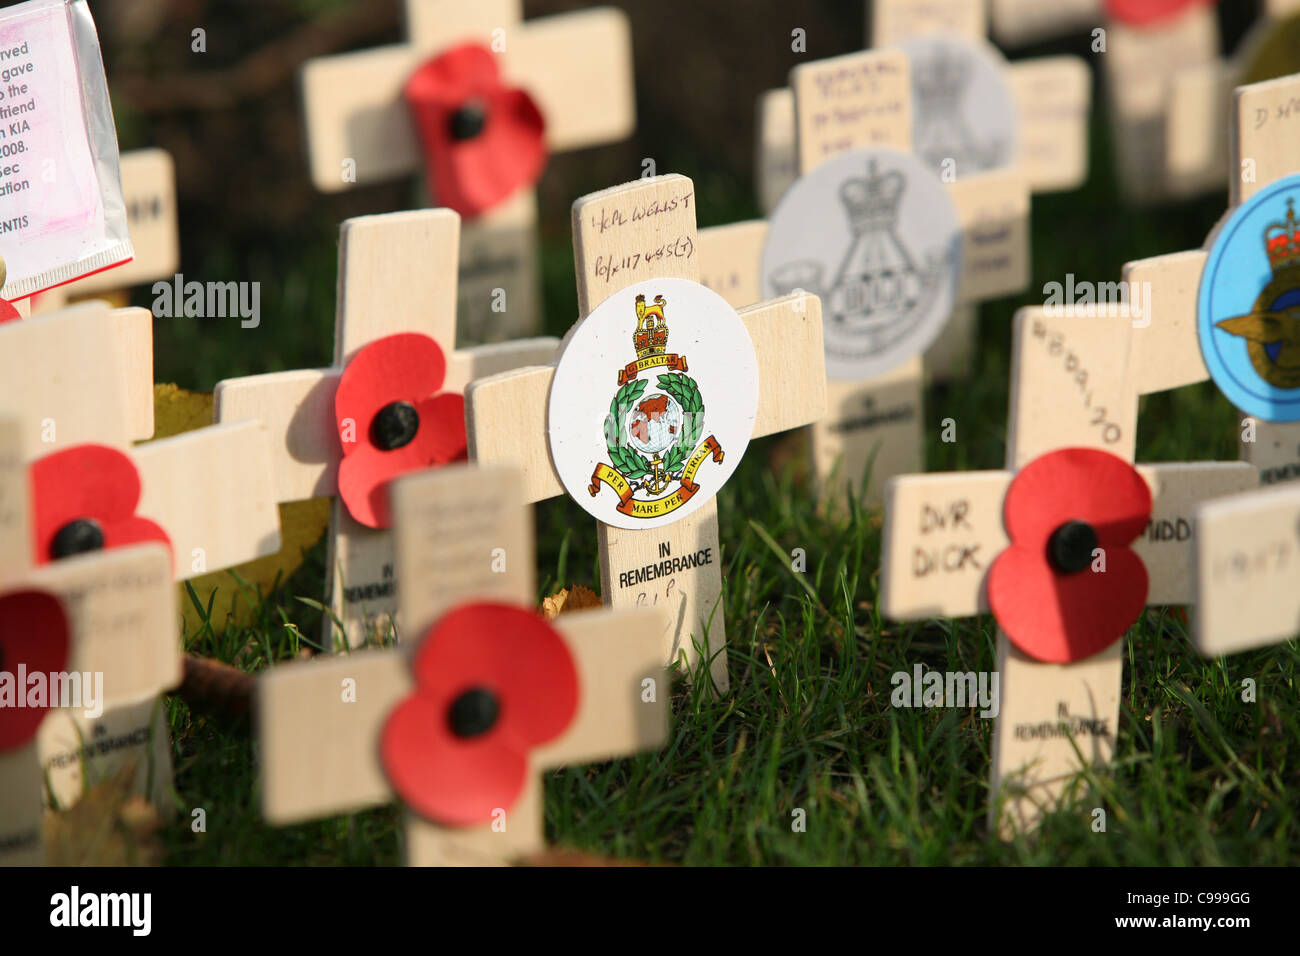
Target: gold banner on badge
674, 363
657, 507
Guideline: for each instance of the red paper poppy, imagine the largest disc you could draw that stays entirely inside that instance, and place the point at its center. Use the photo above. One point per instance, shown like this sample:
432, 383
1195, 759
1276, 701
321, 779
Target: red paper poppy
482, 140
492, 682
391, 422
84, 499
8, 311
1043, 588
33, 635
1141, 13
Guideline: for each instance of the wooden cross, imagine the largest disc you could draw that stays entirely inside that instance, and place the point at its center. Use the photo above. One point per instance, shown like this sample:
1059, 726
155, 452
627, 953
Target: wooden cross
1196, 105
397, 274
64, 394
1052, 96
1019, 22
1076, 380
1261, 139
618, 244
149, 191
577, 67
1247, 561
1052, 99
120, 611
462, 536
1140, 68
851, 103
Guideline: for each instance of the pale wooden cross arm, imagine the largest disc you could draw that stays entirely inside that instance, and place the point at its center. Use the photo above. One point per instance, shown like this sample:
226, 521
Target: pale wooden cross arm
465, 534
942, 533
1247, 569
121, 604
397, 273
297, 408
121, 611
1261, 136
577, 66
60, 388
506, 414
320, 753
213, 492
72, 396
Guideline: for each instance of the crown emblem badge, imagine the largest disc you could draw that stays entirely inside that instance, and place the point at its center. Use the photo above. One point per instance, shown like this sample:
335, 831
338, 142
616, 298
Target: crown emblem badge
654, 437
954, 108
879, 284
1271, 328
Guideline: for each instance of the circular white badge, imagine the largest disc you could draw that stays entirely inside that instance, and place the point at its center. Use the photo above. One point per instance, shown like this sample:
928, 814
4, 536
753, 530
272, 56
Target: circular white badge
873, 233
653, 403
964, 115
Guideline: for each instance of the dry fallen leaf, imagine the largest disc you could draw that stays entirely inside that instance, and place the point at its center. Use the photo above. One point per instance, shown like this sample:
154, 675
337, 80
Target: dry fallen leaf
567, 600
108, 826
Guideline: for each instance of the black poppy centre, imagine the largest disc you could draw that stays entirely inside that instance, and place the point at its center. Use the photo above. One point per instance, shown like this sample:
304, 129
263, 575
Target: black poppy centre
468, 121
473, 712
77, 537
394, 425
1070, 547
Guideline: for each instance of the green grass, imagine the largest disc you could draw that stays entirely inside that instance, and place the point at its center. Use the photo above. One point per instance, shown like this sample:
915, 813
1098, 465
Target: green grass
1200, 777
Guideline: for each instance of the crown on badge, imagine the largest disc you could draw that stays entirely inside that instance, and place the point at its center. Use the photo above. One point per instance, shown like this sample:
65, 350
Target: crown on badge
1282, 240
872, 202
941, 78
651, 335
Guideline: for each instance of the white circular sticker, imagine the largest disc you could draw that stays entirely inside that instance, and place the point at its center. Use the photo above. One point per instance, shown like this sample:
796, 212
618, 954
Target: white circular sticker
964, 114
874, 234
653, 403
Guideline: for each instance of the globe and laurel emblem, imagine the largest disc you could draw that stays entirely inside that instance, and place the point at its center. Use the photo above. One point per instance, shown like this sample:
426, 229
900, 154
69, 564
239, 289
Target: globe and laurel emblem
654, 435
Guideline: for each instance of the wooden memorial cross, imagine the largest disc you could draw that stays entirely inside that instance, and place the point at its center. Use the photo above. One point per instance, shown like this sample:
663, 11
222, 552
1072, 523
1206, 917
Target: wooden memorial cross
345, 733
963, 241
1248, 341
76, 379
397, 286
149, 191
1051, 97
67, 398
1199, 97
1033, 551
1048, 96
1247, 565
578, 69
1144, 50
100, 631
1020, 22
624, 237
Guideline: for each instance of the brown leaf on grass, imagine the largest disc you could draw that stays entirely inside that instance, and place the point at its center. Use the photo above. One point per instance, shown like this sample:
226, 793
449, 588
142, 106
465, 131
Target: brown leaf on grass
108, 826
214, 687
567, 600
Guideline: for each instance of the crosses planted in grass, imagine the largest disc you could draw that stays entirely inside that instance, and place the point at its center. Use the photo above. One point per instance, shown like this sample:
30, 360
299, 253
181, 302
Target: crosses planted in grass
109, 612
729, 377
476, 97
459, 723
92, 493
1016, 542
389, 405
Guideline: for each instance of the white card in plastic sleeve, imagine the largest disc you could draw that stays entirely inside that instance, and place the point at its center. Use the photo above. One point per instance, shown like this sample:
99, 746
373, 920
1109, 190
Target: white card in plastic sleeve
61, 211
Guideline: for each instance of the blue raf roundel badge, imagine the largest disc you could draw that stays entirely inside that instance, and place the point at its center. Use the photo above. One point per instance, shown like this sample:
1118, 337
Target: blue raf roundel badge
1248, 311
